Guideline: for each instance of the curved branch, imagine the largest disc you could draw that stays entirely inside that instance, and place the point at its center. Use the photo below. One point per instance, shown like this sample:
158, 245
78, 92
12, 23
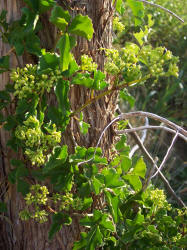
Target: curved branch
132, 130
162, 8
144, 134
142, 147
154, 117
166, 156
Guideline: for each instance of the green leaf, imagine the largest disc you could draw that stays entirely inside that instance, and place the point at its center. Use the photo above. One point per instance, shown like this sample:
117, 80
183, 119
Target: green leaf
118, 6
134, 181
137, 10
125, 163
73, 67
113, 204
38, 174
140, 168
62, 177
139, 219
45, 5
112, 178
94, 238
84, 127
65, 47
120, 144
2, 118
27, 106
13, 143
84, 190
21, 171
80, 154
29, 20
81, 245
61, 91
81, 26
12, 176
106, 223
150, 21
4, 63
58, 158
16, 37
98, 158
4, 95
3, 207
127, 97
99, 84
11, 123
47, 62
40, 6
139, 37
87, 202
83, 79
96, 185
16, 163
23, 187
32, 44
58, 220
60, 17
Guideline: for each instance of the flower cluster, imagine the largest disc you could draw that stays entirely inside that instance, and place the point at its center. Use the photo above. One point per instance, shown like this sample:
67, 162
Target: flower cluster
37, 196
123, 62
28, 81
87, 64
66, 201
158, 198
159, 61
131, 62
117, 25
35, 141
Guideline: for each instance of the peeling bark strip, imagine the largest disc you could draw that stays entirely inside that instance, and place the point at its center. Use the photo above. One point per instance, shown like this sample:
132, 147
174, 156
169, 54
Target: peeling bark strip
16, 234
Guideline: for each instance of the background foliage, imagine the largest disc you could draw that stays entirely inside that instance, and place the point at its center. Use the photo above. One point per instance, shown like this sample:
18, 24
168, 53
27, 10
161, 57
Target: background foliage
116, 212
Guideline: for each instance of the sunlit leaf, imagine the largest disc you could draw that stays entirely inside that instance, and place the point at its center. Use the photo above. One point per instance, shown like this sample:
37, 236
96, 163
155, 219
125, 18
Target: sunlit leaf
81, 26
64, 47
60, 17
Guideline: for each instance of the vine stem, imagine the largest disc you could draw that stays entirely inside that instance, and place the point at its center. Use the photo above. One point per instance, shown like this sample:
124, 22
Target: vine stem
107, 92
162, 8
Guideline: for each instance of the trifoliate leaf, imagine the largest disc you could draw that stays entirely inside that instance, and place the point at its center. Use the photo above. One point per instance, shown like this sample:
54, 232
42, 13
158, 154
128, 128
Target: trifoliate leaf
60, 17
81, 26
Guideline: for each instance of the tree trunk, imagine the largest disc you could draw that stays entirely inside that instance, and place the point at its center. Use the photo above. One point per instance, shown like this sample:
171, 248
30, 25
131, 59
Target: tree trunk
17, 234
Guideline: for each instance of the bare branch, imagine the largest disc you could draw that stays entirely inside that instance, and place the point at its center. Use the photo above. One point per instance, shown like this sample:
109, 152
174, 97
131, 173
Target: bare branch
124, 131
163, 8
151, 160
155, 117
142, 147
167, 154
144, 134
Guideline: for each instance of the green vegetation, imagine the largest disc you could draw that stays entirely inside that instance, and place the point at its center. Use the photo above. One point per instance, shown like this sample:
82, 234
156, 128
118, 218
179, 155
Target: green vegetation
116, 212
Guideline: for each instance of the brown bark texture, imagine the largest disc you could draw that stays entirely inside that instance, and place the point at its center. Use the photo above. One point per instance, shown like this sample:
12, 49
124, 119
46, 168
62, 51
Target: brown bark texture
14, 233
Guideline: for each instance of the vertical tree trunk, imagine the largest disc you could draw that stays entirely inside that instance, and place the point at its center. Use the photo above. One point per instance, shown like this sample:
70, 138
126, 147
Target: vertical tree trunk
16, 234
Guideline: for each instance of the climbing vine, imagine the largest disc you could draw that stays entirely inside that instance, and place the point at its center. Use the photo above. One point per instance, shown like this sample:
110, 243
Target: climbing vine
108, 195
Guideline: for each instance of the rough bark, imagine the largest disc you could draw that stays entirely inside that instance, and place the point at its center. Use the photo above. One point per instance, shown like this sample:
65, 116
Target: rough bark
16, 234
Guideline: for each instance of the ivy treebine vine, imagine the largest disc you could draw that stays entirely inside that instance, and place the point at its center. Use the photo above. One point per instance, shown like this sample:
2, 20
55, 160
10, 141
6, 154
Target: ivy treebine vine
126, 212
35, 142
